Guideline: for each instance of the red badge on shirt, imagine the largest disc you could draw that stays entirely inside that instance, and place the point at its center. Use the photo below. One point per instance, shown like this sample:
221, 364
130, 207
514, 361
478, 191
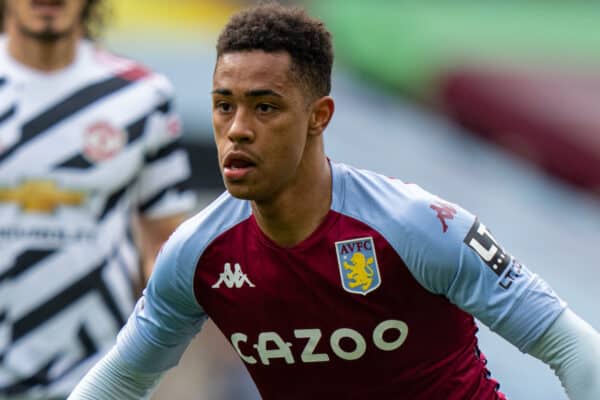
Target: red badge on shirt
103, 141
444, 212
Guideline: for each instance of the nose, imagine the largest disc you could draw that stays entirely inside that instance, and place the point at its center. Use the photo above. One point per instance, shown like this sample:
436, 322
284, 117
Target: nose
241, 130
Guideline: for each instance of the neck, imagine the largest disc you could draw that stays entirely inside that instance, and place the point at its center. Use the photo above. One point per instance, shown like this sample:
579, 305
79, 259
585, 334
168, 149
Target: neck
37, 54
295, 214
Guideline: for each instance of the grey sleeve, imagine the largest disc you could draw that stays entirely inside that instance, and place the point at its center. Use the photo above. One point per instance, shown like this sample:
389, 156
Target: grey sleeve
112, 378
571, 347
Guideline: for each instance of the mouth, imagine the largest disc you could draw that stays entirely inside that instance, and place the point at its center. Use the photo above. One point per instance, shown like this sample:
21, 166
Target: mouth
237, 165
47, 8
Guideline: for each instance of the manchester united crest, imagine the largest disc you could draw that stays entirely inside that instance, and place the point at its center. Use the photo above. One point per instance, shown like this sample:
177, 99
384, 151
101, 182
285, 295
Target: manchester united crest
103, 141
357, 263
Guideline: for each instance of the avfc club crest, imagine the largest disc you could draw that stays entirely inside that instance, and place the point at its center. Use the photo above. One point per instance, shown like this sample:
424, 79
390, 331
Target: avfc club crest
358, 267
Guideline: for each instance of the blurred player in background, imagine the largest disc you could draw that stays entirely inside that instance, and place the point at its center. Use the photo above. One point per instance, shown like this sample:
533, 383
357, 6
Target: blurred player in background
88, 140
329, 281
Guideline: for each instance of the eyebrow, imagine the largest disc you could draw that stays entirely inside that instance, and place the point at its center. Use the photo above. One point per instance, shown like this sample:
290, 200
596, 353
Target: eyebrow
250, 93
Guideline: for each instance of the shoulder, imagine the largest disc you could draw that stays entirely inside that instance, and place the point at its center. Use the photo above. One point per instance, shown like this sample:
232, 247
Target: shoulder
3, 52
4, 78
192, 237
425, 230
127, 69
177, 261
396, 207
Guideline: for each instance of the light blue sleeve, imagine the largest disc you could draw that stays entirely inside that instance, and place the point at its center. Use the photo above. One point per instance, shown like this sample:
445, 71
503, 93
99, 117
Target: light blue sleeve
451, 253
167, 316
455, 255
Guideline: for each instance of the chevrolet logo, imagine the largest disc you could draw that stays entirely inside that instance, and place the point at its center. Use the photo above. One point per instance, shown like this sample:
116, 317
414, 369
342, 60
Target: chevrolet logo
40, 196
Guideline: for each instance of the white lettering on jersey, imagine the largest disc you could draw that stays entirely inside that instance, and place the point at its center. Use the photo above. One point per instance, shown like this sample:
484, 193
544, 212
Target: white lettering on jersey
281, 350
313, 336
360, 345
271, 345
378, 332
236, 338
231, 279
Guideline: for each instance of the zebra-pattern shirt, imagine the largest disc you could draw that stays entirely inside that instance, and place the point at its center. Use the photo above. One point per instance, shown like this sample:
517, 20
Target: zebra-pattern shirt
81, 149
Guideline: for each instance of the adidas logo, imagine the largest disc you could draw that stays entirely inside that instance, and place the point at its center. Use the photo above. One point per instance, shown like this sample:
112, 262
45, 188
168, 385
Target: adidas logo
232, 279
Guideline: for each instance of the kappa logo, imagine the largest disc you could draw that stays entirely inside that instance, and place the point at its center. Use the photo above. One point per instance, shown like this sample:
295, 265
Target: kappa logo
444, 212
232, 279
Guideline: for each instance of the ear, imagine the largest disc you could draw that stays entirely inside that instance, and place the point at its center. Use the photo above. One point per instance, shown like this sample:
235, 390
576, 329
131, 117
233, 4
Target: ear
322, 111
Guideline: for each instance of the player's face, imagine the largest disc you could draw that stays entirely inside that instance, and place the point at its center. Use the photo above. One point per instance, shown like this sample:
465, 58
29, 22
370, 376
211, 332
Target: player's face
45, 20
260, 120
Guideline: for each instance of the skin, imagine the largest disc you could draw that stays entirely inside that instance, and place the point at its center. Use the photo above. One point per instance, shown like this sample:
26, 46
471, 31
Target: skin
268, 131
151, 234
43, 37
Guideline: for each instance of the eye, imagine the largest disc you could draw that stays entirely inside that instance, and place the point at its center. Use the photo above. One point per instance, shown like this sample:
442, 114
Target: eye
265, 108
223, 106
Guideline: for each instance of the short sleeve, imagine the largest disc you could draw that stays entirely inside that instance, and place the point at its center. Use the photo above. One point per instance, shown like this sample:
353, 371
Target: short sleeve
164, 182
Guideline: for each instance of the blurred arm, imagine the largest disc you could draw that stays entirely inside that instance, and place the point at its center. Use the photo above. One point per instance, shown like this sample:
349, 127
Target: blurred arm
152, 233
164, 195
571, 347
113, 379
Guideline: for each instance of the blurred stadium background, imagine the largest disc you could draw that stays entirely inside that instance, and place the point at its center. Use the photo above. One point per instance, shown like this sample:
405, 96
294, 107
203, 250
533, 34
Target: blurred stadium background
493, 105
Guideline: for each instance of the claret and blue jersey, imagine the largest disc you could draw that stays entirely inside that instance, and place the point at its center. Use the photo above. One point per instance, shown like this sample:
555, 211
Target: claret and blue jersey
377, 303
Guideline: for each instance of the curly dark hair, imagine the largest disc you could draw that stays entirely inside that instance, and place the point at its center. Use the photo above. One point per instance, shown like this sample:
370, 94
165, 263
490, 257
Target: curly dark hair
94, 17
272, 27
